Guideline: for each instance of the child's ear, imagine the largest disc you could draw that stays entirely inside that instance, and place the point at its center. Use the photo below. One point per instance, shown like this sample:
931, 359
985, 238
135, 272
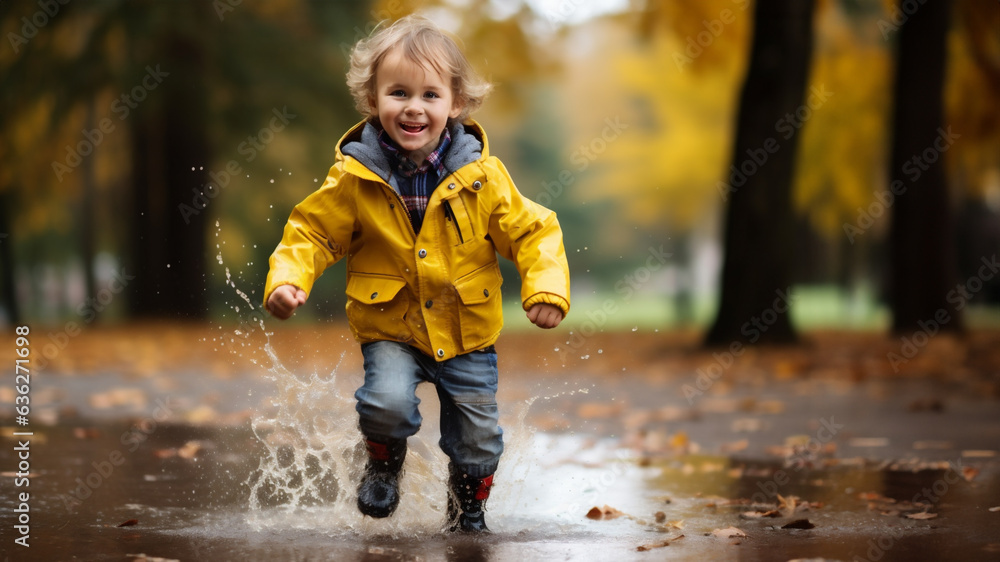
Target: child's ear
456, 108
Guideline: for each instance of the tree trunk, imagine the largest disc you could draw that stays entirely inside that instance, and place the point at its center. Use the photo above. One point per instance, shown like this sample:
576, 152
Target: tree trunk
170, 165
756, 272
922, 236
7, 260
86, 210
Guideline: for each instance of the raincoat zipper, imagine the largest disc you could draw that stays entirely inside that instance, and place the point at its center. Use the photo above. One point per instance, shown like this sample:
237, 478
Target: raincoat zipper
450, 215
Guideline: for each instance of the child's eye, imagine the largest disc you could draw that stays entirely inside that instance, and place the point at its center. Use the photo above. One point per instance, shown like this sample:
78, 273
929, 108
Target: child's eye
431, 95
398, 93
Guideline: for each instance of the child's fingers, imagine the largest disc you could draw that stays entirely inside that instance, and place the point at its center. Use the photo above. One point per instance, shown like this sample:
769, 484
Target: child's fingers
545, 315
533, 313
550, 319
284, 300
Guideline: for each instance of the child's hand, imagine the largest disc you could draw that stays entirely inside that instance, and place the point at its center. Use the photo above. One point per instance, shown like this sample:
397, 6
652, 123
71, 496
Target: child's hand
284, 300
545, 315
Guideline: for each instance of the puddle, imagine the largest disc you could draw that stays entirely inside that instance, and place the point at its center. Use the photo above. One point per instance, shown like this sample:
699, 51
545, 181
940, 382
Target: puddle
203, 507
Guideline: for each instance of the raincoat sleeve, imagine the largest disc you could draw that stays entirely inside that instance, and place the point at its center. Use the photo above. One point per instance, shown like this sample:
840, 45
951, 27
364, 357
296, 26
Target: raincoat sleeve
317, 234
529, 235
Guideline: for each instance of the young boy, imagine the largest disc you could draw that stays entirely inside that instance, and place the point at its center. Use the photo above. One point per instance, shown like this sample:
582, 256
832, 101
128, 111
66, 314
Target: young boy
420, 210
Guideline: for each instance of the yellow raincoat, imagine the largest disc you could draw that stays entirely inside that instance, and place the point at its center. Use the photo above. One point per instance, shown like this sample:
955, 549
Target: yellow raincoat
438, 290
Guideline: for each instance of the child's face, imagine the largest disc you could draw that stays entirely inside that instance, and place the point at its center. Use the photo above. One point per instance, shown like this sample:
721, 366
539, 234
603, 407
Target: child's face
413, 104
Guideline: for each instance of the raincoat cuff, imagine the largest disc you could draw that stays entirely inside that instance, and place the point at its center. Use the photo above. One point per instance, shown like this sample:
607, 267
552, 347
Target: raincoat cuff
547, 298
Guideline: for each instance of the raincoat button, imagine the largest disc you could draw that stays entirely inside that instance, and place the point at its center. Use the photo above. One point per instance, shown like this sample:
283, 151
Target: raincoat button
422, 253
486, 292
451, 186
429, 304
375, 295
440, 353
477, 185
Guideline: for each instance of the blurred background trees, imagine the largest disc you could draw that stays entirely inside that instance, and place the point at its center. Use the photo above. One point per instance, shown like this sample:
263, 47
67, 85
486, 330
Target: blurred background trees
625, 117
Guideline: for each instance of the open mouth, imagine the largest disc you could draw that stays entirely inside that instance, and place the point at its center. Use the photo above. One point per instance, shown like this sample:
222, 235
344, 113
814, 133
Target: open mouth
412, 128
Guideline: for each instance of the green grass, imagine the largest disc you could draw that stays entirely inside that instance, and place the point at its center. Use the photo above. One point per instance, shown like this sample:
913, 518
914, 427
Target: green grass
814, 307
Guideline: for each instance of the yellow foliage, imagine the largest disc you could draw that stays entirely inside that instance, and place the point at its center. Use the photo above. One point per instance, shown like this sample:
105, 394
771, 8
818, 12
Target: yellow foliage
972, 95
663, 168
842, 151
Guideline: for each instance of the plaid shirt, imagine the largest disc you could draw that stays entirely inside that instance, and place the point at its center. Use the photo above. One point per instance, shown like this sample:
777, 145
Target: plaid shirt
416, 183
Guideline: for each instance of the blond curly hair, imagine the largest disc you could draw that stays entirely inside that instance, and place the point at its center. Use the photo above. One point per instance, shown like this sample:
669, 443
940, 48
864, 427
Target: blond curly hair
425, 44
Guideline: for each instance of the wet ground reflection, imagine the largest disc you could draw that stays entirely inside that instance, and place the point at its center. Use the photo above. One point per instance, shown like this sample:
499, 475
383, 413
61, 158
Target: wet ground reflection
188, 488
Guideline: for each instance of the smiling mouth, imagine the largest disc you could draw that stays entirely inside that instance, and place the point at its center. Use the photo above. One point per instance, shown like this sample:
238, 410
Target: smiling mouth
412, 128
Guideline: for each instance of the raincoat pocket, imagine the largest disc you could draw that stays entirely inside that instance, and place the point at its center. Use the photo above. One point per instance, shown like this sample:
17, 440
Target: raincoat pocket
376, 308
459, 224
481, 313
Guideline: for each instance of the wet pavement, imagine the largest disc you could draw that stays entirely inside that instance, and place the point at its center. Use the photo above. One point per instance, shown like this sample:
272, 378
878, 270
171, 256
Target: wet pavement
803, 453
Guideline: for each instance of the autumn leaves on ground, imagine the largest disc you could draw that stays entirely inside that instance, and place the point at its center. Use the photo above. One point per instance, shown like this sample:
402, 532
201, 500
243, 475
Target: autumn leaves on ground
736, 436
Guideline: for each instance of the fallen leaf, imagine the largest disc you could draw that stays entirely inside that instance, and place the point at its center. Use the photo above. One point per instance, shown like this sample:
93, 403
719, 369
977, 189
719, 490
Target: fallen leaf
661, 544
759, 514
868, 442
728, 533
129, 523
86, 432
601, 513
597, 410
679, 440
735, 446
920, 445
799, 524
979, 453
969, 473
145, 558
922, 515
189, 450
746, 425
787, 505
770, 407
926, 404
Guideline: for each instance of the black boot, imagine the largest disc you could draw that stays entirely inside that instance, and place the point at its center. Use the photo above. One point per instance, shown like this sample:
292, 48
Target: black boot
466, 503
378, 494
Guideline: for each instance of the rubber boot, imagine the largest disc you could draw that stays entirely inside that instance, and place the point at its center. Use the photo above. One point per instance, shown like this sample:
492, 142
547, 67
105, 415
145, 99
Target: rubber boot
466, 503
378, 493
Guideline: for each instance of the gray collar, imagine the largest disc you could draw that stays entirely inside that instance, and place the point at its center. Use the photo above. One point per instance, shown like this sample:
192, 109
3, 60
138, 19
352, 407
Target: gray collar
465, 148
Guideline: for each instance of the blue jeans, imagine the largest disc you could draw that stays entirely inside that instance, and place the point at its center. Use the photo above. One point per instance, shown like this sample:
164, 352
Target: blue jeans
466, 386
